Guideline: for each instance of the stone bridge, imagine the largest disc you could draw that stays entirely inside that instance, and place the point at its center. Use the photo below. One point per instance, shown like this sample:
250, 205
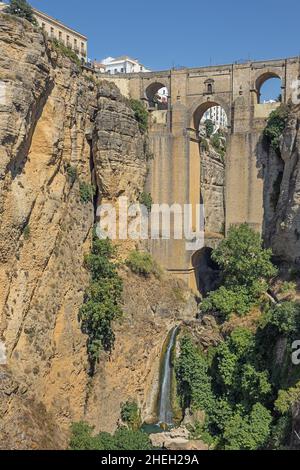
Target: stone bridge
176, 168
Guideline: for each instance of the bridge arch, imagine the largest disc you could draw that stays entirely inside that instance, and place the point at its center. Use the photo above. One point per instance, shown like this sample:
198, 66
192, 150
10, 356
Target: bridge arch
151, 92
262, 78
199, 107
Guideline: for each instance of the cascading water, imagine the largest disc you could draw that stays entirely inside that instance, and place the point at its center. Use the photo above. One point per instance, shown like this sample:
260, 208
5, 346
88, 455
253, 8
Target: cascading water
165, 412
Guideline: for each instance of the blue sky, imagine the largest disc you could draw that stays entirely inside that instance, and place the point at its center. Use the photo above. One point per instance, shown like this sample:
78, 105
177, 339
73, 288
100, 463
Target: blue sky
191, 33
163, 34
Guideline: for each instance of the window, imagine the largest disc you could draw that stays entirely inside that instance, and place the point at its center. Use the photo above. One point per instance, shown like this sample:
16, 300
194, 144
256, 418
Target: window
60, 35
141, 68
116, 71
122, 70
209, 88
52, 31
43, 25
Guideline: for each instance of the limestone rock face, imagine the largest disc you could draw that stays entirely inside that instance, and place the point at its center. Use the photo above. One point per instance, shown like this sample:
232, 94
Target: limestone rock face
213, 190
59, 129
282, 194
151, 309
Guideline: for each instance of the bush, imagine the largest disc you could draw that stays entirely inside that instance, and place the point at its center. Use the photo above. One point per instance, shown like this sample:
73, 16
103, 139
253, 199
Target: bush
66, 51
209, 127
193, 380
143, 264
124, 439
102, 299
215, 141
275, 127
26, 232
86, 192
22, 9
287, 399
146, 200
140, 114
130, 415
228, 301
72, 173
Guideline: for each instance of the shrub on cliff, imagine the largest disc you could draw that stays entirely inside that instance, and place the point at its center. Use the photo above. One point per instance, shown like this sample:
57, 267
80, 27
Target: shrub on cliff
102, 299
66, 51
275, 127
130, 415
86, 192
146, 200
22, 9
140, 113
143, 264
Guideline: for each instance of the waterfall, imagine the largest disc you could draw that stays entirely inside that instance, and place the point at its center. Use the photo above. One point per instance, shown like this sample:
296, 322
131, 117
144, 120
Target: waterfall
165, 400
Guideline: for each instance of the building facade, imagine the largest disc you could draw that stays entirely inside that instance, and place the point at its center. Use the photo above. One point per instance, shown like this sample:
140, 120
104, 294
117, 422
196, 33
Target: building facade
217, 115
123, 64
57, 30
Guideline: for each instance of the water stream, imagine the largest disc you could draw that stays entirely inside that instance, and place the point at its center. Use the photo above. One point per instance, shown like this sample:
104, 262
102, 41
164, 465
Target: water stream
165, 411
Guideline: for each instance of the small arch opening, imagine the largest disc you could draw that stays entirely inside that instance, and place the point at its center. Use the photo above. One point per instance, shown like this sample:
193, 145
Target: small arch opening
206, 270
269, 89
157, 95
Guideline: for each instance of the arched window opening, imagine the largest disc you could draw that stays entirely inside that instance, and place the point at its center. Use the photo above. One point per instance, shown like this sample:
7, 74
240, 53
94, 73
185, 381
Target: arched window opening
269, 89
157, 95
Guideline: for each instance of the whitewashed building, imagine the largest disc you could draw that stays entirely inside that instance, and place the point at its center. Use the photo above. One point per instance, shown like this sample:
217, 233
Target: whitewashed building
123, 64
217, 115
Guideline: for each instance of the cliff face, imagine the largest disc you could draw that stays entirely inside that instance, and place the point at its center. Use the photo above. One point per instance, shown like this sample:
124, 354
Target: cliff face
282, 194
58, 129
212, 189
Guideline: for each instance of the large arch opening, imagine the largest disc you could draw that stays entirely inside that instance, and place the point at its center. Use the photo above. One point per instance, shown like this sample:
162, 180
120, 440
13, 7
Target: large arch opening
269, 88
211, 123
157, 95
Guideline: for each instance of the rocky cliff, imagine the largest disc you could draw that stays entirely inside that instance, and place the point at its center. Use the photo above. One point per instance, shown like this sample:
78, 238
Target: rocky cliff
61, 133
282, 193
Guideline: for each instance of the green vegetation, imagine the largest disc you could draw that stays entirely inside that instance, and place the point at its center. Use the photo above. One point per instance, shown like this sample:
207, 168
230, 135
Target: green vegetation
130, 415
66, 51
209, 127
247, 398
275, 127
82, 438
72, 173
26, 232
143, 264
140, 114
22, 9
86, 192
146, 200
246, 270
102, 299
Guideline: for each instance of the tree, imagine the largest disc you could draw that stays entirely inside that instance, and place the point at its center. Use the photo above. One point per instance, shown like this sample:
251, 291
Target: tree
249, 432
242, 258
82, 438
194, 382
22, 9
